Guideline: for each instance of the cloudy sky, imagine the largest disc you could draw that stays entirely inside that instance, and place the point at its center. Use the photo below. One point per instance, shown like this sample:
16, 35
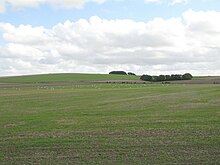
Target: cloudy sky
98, 36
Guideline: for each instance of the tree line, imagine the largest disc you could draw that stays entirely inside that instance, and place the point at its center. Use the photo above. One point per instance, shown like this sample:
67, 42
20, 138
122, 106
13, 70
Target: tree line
122, 73
186, 76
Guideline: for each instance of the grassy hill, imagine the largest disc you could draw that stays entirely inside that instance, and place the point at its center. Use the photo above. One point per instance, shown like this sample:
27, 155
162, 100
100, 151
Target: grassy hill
84, 78
67, 77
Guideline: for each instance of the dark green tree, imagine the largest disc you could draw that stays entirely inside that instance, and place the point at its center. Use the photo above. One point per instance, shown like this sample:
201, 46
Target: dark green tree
155, 78
187, 76
168, 77
176, 77
162, 78
146, 78
118, 72
132, 74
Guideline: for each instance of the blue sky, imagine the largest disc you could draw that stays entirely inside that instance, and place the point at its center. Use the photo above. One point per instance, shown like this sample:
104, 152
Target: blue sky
138, 10
98, 36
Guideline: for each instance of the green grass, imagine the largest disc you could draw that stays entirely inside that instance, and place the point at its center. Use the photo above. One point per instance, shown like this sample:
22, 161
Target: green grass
69, 77
110, 124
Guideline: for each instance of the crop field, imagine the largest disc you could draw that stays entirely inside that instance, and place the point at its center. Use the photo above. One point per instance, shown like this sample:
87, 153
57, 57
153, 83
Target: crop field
110, 124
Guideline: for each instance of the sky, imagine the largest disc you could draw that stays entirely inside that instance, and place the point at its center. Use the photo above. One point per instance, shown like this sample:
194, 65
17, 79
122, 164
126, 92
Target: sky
98, 36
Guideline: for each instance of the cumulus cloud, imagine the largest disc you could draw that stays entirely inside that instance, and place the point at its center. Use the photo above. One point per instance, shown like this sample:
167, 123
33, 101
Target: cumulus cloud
35, 3
160, 46
174, 2
169, 2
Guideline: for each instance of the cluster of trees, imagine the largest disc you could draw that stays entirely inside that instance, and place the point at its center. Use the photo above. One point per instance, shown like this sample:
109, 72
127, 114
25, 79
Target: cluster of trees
186, 76
122, 73
132, 74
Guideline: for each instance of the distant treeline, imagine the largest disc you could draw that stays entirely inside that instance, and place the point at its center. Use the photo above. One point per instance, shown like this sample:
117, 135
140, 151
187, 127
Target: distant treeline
122, 73
186, 76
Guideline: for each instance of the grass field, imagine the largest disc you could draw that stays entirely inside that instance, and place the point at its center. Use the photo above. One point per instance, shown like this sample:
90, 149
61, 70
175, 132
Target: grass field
110, 124
52, 79
68, 77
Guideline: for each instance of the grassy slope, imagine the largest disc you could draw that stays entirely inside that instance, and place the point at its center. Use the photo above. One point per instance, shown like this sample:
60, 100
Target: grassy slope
110, 124
66, 78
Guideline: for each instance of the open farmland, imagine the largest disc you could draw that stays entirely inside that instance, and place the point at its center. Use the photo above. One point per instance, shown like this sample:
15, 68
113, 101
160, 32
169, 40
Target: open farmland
110, 124
67, 77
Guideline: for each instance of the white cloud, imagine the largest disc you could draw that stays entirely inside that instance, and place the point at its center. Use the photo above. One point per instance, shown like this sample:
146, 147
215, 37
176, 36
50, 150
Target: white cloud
152, 1
169, 2
20, 4
174, 2
17, 4
2, 6
176, 45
